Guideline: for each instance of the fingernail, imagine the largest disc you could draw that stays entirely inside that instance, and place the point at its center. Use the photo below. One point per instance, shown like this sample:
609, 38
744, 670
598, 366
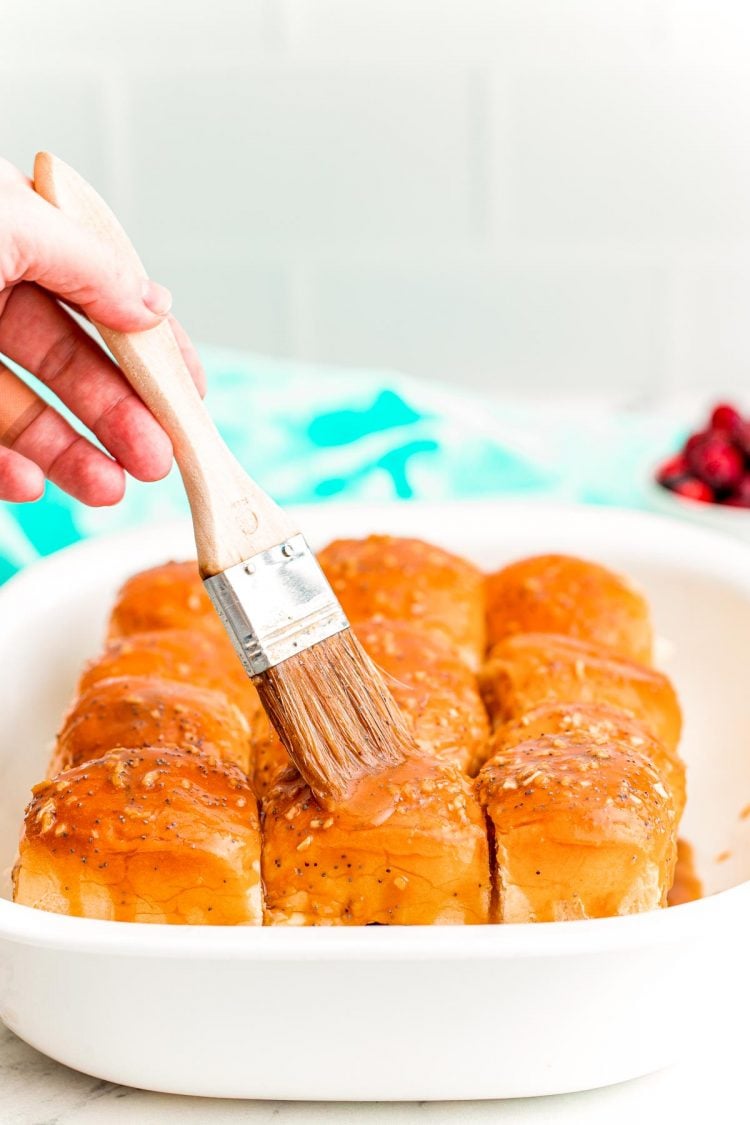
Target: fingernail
156, 298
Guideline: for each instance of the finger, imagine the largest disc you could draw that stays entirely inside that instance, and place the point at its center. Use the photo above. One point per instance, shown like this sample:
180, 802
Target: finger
20, 480
190, 355
35, 431
45, 340
64, 257
193, 361
70, 461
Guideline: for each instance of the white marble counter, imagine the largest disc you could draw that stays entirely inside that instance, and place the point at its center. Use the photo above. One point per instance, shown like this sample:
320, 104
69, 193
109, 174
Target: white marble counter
709, 1084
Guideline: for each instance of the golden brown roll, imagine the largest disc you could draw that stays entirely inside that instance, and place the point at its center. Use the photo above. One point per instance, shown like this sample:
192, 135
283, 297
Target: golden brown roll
560, 594
189, 656
582, 790
140, 711
583, 828
529, 669
598, 722
409, 849
410, 581
170, 596
150, 835
437, 692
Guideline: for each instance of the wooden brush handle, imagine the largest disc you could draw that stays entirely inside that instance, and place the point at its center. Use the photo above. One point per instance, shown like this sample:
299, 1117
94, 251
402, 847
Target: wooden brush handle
232, 517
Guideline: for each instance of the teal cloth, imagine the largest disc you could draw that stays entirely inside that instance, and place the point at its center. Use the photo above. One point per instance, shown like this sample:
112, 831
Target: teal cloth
312, 434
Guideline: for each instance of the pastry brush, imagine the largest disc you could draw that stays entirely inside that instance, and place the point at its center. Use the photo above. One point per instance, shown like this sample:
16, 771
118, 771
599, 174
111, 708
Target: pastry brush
326, 699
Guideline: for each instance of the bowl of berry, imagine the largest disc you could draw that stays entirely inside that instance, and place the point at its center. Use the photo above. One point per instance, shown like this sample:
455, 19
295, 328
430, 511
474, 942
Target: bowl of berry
709, 478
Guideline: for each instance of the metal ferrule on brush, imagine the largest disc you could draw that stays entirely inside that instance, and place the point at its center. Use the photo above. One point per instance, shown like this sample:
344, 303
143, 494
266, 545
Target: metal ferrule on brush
276, 604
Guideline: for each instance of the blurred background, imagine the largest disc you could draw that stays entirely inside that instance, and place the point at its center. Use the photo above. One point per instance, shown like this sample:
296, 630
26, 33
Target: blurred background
431, 249
510, 194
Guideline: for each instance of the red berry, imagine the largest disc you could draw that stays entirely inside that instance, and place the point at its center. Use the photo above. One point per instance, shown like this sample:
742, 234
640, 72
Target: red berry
673, 469
725, 417
694, 490
740, 498
741, 437
716, 462
694, 440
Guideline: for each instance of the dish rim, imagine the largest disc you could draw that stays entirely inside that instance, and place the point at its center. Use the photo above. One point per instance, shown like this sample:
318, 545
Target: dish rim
25, 925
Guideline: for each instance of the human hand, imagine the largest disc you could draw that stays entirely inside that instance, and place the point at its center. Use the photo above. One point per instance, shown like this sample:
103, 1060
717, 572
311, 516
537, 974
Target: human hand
45, 259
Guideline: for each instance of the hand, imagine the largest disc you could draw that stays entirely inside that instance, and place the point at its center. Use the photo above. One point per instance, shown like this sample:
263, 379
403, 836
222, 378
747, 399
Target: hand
46, 259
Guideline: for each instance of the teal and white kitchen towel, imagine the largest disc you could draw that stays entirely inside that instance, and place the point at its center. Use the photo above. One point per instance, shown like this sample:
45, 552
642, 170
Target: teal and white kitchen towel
312, 434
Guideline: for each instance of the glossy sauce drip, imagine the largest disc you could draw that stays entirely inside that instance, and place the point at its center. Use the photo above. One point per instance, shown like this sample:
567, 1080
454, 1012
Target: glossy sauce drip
374, 798
687, 887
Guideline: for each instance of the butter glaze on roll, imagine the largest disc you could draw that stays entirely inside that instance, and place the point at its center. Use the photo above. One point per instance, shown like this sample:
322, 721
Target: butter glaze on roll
583, 828
409, 849
152, 835
413, 582
143, 711
597, 721
170, 596
529, 669
569, 596
187, 656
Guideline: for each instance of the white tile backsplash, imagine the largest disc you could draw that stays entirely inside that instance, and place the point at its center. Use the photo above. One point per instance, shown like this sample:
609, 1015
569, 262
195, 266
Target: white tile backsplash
712, 299
494, 30
393, 30
524, 325
242, 302
66, 117
646, 155
130, 34
304, 157
542, 193
700, 30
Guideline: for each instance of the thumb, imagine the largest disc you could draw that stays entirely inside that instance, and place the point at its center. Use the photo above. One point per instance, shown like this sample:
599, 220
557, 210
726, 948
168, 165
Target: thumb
55, 252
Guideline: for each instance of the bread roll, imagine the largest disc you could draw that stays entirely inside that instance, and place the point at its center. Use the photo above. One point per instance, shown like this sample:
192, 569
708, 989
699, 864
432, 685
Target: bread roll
150, 835
412, 582
583, 828
560, 594
141, 711
409, 849
529, 669
437, 692
153, 818
170, 596
189, 656
600, 723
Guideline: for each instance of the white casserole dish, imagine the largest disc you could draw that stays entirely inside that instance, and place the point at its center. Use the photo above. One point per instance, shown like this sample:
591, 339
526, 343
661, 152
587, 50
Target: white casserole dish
732, 521
390, 1013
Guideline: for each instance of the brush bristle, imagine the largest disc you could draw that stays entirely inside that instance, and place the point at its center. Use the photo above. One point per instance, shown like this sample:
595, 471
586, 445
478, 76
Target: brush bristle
333, 712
